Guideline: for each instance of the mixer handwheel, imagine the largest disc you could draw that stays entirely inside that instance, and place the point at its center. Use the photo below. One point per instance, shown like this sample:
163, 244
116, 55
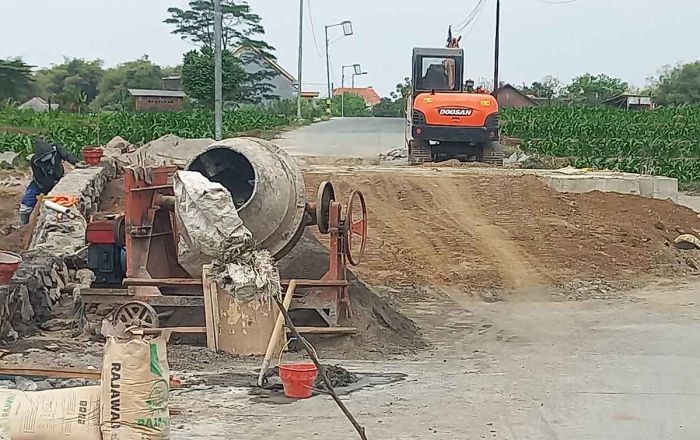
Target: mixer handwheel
324, 198
137, 314
355, 227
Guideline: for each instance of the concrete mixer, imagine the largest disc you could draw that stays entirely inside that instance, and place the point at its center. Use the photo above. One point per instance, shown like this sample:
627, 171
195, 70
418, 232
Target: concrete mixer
134, 256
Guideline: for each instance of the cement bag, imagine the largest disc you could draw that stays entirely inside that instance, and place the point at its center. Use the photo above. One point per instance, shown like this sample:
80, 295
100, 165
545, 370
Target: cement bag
69, 414
206, 216
135, 385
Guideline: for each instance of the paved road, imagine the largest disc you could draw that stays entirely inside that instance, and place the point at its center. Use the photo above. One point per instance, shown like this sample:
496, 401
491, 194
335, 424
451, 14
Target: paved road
616, 369
346, 137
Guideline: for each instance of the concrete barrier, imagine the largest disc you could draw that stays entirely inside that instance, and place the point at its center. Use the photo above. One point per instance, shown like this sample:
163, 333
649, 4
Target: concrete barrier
655, 187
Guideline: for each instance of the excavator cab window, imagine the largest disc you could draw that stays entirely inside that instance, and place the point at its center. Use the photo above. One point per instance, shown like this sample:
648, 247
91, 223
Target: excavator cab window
442, 74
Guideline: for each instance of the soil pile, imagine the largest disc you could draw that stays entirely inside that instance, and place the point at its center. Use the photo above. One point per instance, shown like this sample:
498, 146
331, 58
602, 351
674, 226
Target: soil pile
381, 330
481, 231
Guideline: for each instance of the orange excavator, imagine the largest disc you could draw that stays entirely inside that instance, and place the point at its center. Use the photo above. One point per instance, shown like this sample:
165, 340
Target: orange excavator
445, 120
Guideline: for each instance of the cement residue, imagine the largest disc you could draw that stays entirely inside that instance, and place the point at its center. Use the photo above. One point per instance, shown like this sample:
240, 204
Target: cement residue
337, 376
381, 329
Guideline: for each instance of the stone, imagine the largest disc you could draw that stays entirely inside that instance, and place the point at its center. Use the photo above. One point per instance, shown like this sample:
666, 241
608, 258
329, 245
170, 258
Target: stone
9, 159
13, 358
57, 324
43, 385
24, 384
687, 242
8, 384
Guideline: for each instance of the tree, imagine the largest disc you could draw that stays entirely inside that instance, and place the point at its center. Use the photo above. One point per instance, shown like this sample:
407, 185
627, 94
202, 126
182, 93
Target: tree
594, 89
198, 76
72, 84
352, 106
15, 79
241, 26
115, 82
679, 85
548, 87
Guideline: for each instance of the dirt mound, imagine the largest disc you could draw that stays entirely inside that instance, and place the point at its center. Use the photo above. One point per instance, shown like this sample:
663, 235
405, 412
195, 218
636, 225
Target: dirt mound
382, 330
484, 231
334, 161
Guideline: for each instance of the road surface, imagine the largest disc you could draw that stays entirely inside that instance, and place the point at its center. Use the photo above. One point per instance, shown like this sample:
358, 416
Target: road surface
345, 137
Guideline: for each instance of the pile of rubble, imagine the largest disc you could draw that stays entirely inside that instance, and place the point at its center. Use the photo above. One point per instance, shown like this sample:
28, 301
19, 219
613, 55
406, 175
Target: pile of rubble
394, 154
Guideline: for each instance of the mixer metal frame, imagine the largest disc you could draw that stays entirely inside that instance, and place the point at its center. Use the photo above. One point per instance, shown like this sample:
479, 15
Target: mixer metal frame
154, 278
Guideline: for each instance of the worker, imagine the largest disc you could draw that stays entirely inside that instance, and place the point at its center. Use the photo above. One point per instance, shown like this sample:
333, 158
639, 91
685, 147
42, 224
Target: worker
47, 169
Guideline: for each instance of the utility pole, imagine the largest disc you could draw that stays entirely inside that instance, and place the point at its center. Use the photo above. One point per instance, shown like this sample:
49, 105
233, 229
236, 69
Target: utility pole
301, 41
328, 65
218, 93
497, 45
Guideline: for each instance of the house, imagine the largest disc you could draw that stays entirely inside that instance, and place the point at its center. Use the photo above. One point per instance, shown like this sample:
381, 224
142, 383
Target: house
157, 100
370, 95
38, 105
510, 97
630, 101
284, 85
172, 82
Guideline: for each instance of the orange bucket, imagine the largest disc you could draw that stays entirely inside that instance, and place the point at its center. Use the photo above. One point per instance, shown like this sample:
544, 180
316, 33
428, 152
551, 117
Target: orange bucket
93, 156
9, 262
298, 379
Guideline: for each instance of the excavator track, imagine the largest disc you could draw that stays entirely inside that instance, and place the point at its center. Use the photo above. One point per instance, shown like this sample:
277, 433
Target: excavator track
419, 152
493, 155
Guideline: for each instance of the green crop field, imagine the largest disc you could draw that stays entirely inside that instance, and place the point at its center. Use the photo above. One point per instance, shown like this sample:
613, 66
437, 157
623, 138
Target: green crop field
76, 131
664, 142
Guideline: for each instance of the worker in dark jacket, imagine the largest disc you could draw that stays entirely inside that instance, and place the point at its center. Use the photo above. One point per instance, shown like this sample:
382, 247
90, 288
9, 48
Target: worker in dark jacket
47, 170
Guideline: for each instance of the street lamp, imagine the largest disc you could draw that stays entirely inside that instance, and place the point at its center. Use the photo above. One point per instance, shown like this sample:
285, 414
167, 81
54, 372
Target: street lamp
356, 74
347, 31
356, 71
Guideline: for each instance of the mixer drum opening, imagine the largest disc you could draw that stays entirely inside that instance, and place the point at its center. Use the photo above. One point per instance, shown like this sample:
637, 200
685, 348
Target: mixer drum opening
229, 168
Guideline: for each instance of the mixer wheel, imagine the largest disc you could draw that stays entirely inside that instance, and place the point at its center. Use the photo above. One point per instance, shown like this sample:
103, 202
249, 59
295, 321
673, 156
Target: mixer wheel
137, 314
324, 198
355, 227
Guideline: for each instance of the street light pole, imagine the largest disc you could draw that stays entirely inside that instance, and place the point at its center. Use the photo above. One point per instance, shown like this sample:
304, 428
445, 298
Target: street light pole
354, 75
347, 31
218, 93
358, 69
301, 41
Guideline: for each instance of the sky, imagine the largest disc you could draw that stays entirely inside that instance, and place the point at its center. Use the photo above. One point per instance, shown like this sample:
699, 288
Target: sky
630, 39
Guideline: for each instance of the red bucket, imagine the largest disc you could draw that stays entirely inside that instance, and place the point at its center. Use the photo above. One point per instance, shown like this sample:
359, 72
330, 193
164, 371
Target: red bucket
298, 379
93, 156
9, 262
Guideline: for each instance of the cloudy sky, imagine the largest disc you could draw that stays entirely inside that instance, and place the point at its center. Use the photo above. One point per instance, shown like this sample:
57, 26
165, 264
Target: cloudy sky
631, 39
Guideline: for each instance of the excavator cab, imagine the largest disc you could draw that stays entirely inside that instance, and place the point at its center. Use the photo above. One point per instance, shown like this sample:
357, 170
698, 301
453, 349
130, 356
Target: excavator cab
445, 121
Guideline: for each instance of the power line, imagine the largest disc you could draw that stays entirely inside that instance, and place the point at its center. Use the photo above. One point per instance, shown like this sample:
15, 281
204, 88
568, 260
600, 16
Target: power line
461, 26
313, 29
475, 21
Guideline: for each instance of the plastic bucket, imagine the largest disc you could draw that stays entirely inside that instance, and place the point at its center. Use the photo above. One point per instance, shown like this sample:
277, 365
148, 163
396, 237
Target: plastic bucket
93, 156
9, 262
298, 378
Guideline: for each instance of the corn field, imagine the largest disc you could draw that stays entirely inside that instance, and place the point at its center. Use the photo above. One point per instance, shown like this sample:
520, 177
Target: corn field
74, 131
663, 142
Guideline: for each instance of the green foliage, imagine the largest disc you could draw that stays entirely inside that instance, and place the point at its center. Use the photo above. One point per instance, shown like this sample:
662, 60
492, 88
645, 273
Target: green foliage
310, 108
548, 87
240, 25
15, 79
665, 141
72, 85
198, 76
115, 82
680, 85
350, 105
76, 131
594, 89
395, 106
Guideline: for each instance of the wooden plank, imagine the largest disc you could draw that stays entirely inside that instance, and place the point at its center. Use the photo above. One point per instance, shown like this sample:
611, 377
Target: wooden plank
209, 310
216, 313
317, 283
181, 330
326, 330
243, 329
63, 373
57, 373
162, 282
29, 232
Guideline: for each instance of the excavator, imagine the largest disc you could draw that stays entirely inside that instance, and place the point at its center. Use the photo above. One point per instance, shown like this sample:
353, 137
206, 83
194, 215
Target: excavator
445, 119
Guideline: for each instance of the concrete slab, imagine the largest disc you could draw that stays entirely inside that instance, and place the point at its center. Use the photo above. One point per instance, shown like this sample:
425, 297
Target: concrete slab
692, 202
655, 187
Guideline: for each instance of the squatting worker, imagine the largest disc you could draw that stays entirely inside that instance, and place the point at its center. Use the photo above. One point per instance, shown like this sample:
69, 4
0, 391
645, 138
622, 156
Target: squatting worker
47, 169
